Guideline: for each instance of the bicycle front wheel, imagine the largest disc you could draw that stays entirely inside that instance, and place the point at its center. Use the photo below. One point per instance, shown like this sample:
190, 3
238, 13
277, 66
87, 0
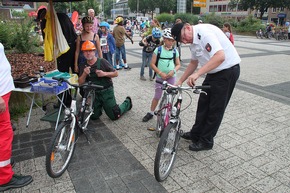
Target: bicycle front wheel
166, 151
161, 117
61, 149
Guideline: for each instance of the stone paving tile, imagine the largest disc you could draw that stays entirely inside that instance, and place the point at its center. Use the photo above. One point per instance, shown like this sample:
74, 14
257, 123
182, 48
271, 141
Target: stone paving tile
250, 153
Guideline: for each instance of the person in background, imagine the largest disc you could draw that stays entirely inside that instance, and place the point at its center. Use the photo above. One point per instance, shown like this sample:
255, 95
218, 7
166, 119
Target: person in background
8, 179
79, 26
165, 69
119, 32
178, 20
227, 29
100, 72
219, 61
150, 43
153, 24
107, 41
87, 34
91, 13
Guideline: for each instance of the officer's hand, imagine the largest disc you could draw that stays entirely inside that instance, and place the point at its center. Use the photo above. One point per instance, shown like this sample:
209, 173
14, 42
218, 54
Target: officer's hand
192, 79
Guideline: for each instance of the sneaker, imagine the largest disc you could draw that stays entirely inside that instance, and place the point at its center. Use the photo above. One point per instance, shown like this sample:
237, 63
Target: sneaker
147, 117
142, 78
17, 181
117, 67
151, 79
131, 104
126, 66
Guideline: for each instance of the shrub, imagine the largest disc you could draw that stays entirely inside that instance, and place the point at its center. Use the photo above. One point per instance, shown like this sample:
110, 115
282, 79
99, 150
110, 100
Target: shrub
165, 17
6, 34
187, 17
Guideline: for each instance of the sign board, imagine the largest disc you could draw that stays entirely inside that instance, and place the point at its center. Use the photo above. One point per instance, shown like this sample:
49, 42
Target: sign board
199, 3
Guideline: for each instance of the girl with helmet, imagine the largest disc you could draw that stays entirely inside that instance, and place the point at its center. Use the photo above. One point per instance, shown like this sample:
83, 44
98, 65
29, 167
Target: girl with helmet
150, 43
99, 71
87, 34
165, 62
107, 41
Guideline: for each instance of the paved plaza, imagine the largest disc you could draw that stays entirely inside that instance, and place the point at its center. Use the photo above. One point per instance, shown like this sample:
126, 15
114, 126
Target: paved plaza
251, 152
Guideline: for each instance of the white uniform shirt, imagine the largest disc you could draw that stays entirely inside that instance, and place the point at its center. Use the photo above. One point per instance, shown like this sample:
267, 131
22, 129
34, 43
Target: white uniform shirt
207, 40
6, 80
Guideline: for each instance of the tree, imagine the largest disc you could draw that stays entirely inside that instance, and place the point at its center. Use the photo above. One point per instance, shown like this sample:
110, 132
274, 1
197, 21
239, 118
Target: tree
148, 6
261, 5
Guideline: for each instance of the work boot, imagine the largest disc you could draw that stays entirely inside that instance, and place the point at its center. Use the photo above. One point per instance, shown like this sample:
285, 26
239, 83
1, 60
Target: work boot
17, 181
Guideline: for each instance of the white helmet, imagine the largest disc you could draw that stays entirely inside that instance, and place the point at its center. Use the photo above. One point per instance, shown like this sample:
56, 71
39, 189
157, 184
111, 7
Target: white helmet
167, 33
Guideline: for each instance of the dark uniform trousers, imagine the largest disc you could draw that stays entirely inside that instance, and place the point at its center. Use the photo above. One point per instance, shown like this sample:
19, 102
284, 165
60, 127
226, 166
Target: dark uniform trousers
211, 107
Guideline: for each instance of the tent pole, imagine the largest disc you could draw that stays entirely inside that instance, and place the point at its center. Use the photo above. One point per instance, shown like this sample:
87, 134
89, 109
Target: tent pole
53, 31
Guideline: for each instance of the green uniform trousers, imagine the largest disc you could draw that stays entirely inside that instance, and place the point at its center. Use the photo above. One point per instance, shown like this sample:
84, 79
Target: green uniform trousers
105, 99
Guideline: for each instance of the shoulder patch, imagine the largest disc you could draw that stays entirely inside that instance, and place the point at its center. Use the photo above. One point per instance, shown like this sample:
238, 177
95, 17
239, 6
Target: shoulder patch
208, 47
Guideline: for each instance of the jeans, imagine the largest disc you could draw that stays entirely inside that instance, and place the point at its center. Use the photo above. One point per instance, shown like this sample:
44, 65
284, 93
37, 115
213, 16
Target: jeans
120, 51
146, 59
108, 57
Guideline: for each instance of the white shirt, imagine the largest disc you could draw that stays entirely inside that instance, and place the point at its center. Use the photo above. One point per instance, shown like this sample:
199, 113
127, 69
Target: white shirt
207, 40
6, 80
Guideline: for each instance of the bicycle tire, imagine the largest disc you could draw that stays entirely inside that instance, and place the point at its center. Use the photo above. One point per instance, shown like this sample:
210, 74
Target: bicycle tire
160, 117
88, 109
57, 156
166, 151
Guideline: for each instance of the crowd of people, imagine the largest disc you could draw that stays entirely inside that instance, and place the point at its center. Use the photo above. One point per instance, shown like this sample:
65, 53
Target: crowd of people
97, 53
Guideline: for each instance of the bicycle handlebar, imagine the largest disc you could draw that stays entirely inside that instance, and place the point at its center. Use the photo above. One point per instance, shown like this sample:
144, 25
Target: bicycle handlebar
87, 84
165, 83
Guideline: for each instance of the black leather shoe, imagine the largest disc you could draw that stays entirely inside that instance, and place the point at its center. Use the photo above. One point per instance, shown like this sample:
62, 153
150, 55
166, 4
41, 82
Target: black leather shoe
186, 135
16, 182
199, 146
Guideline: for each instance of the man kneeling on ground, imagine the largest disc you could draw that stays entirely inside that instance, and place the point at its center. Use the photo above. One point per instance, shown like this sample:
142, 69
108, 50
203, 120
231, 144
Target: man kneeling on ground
99, 71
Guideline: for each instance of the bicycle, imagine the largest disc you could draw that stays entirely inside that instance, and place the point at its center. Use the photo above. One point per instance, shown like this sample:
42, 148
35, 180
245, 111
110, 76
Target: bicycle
62, 145
170, 127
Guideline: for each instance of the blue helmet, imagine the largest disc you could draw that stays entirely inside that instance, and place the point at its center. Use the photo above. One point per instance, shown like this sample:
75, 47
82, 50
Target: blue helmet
156, 33
105, 24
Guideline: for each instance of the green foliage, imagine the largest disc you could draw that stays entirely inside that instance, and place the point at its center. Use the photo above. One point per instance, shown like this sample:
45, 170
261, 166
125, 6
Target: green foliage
23, 39
18, 35
80, 7
165, 17
6, 34
214, 19
187, 17
145, 6
249, 24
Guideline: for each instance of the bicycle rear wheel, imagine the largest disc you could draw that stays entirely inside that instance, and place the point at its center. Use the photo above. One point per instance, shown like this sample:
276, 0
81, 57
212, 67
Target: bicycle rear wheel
166, 151
88, 109
59, 154
161, 117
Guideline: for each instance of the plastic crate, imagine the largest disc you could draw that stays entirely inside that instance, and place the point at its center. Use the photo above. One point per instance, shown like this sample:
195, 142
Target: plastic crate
48, 86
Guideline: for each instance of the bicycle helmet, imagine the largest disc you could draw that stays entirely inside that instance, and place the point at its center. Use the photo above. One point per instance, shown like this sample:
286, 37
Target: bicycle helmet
156, 33
167, 33
88, 46
87, 19
119, 19
104, 24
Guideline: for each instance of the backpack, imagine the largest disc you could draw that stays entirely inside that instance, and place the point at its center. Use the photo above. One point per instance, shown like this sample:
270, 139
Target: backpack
158, 57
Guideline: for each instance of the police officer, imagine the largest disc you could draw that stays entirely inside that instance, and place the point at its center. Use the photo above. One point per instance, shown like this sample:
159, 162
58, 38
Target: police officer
99, 71
219, 61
